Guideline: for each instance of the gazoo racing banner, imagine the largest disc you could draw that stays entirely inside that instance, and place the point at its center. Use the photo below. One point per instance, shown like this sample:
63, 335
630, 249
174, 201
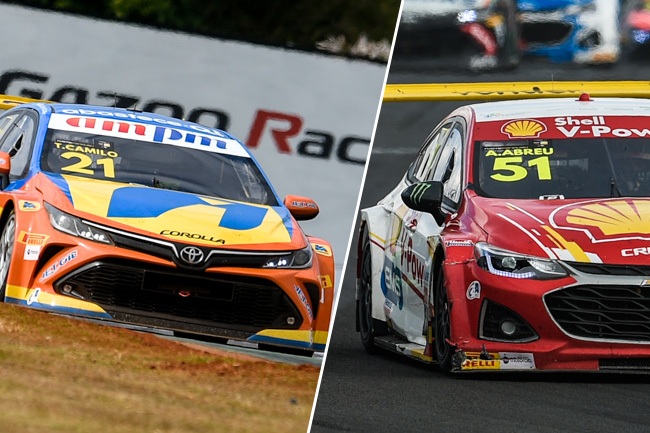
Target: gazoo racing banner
307, 118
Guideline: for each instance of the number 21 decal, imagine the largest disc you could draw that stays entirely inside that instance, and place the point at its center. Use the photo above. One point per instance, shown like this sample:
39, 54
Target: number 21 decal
84, 163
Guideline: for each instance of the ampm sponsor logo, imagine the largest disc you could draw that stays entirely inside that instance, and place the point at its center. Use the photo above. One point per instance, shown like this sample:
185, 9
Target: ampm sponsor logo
173, 132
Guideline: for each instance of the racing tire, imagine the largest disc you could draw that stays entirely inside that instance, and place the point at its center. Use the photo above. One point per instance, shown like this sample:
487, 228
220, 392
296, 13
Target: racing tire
442, 325
7, 239
369, 327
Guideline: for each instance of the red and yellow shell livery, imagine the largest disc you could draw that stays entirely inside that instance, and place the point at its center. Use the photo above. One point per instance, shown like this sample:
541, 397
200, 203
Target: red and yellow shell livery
147, 220
519, 239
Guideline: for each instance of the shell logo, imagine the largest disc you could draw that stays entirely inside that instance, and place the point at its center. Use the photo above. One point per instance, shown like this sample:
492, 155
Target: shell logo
618, 217
525, 128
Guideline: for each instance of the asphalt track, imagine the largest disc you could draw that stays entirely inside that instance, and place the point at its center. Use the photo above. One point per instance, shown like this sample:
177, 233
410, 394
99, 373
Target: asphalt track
390, 393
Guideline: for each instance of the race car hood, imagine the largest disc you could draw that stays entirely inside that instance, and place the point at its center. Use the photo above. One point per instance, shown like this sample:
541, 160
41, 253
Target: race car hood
613, 230
175, 215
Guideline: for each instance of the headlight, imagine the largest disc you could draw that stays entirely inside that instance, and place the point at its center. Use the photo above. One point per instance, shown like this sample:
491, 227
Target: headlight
74, 226
298, 259
514, 265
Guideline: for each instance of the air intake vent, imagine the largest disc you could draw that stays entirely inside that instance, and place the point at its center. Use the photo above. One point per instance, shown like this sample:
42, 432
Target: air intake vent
613, 313
208, 299
624, 364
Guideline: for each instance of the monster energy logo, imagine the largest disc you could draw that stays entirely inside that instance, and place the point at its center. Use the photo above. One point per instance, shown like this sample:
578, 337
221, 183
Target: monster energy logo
418, 192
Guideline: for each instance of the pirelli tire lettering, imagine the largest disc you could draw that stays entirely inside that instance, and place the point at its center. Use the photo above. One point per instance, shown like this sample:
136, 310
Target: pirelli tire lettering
277, 126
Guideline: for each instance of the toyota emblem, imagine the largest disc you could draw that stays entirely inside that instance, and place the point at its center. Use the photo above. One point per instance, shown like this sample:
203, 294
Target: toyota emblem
191, 255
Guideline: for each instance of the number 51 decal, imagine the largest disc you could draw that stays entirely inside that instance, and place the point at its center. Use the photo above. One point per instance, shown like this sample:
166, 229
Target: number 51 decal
84, 163
513, 165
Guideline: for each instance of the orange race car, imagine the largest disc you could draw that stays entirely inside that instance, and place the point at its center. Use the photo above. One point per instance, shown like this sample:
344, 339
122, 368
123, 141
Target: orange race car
143, 219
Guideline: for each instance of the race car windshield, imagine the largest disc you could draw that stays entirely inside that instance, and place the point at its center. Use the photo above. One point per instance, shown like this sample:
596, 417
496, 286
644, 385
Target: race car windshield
563, 168
155, 165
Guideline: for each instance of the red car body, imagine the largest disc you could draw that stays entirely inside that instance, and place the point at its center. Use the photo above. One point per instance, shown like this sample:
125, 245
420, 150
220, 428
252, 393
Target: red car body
519, 239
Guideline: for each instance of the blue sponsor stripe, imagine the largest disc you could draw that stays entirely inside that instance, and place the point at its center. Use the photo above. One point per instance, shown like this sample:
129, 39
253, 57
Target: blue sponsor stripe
138, 202
58, 309
283, 341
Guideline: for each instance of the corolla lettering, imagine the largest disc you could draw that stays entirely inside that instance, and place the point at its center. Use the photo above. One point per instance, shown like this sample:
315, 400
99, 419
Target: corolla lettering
192, 236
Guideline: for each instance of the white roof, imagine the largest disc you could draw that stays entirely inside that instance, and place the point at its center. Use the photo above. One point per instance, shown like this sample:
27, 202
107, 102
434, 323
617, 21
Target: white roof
560, 107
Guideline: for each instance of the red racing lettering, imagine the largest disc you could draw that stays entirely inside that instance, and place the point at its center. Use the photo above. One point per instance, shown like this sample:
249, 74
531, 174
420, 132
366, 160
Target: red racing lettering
107, 125
123, 127
76, 121
280, 135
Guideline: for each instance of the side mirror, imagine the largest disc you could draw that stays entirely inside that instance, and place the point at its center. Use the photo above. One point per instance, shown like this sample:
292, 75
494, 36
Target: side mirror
426, 197
302, 208
5, 168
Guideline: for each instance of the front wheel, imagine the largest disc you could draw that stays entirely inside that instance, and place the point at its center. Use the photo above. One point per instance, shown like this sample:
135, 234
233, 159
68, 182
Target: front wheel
6, 251
442, 325
369, 327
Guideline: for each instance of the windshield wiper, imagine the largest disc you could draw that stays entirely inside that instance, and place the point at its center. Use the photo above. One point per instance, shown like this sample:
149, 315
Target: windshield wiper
614, 188
612, 180
157, 184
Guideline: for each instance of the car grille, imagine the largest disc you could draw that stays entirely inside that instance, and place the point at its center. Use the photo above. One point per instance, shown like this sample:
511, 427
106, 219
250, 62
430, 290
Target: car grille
602, 312
606, 269
165, 250
202, 302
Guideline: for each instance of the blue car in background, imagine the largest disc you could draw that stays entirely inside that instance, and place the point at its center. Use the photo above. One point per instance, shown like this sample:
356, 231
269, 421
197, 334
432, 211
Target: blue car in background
459, 34
581, 31
635, 28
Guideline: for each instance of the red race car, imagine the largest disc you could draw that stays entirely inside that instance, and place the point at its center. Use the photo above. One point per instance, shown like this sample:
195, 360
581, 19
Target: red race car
518, 239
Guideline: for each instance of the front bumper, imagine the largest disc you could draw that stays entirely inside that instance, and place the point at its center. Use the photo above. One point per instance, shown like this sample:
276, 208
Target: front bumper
598, 318
281, 307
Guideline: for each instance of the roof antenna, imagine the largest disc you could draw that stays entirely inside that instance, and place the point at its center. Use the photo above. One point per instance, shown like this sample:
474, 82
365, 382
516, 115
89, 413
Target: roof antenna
115, 101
